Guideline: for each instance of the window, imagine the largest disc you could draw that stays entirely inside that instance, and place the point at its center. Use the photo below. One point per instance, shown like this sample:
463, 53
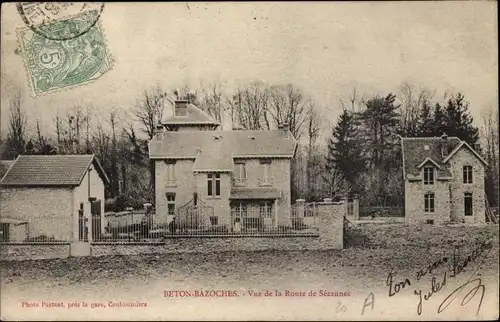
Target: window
213, 184
428, 175
239, 210
266, 209
467, 172
468, 204
429, 202
171, 171
240, 173
170, 204
266, 171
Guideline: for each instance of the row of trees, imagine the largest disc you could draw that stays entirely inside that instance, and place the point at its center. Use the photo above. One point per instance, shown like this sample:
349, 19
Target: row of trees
362, 155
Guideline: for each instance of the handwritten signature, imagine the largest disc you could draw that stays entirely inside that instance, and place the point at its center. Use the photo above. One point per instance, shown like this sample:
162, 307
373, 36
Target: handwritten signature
456, 268
467, 298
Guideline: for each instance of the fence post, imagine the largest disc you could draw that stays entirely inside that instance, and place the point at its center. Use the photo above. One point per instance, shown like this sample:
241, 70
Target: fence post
345, 204
300, 207
355, 206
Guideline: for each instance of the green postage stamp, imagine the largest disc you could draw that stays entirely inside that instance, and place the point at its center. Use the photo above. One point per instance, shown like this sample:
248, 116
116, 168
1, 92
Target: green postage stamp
56, 60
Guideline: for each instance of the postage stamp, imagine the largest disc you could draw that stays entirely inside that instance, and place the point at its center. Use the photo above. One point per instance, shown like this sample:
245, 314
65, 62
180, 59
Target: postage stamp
64, 53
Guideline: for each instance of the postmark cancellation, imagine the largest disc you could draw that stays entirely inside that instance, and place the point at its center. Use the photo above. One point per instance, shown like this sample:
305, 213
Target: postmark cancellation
64, 53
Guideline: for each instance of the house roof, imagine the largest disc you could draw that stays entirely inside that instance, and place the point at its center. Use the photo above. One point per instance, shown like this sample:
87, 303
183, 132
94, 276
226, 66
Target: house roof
254, 193
50, 170
419, 151
194, 116
12, 221
465, 144
217, 158
275, 143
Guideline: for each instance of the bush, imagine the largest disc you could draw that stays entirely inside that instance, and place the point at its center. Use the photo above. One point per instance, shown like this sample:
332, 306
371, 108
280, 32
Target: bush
110, 205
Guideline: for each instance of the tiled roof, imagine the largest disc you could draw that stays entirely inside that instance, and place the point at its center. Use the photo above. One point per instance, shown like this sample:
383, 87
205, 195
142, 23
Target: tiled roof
50, 170
194, 116
239, 143
415, 152
254, 193
217, 158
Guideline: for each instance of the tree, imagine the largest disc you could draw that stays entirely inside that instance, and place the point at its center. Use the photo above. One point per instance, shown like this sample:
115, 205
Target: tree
334, 184
213, 100
42, 144
249, 107
149, 110
148, 113
458, 120
490, 133
289, 104
16, 137
344, 153
413, 102
379, 129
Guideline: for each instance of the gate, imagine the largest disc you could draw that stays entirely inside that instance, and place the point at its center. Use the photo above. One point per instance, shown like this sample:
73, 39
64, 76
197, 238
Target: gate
194, 217
95, 210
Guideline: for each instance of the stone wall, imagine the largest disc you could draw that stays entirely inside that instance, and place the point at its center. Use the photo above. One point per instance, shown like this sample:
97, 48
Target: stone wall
48, 211
459, 188
33, 252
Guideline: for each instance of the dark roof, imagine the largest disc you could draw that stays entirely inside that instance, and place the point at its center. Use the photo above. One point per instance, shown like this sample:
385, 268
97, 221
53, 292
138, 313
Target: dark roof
415, 152
50, 170
217, 158
194, 116
239, 143
254, 193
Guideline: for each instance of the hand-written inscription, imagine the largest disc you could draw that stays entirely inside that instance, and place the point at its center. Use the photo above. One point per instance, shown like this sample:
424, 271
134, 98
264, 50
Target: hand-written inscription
428, 270
435, 287
397, 287
367, 303
467, 298
455, 269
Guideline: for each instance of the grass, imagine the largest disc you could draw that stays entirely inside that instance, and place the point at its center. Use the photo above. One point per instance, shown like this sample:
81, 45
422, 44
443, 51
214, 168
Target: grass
371, 250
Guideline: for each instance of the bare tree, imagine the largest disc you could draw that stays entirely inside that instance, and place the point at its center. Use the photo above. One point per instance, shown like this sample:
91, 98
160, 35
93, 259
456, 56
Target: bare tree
335, 185
353, 102
288, 103
490, 133
249, 106
213, 100
149, 110
16, 137
412, 100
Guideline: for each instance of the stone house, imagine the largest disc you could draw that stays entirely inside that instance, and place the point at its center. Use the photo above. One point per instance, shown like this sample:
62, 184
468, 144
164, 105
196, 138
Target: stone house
443, 180
49, 195
240, 176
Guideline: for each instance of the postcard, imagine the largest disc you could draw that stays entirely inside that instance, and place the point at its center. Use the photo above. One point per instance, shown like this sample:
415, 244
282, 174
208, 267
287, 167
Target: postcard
249, 161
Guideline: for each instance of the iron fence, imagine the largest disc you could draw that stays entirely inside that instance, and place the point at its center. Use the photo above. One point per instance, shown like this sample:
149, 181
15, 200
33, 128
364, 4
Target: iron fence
202, 220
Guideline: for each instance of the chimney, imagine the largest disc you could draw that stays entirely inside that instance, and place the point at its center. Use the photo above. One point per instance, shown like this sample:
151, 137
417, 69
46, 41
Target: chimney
181, 107
74, 147
444, 145
477, 147
285, 128
159, 131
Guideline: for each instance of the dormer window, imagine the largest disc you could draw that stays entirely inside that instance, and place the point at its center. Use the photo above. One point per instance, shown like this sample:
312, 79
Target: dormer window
428, 176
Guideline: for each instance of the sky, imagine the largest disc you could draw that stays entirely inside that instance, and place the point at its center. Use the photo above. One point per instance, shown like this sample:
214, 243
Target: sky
325, 48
